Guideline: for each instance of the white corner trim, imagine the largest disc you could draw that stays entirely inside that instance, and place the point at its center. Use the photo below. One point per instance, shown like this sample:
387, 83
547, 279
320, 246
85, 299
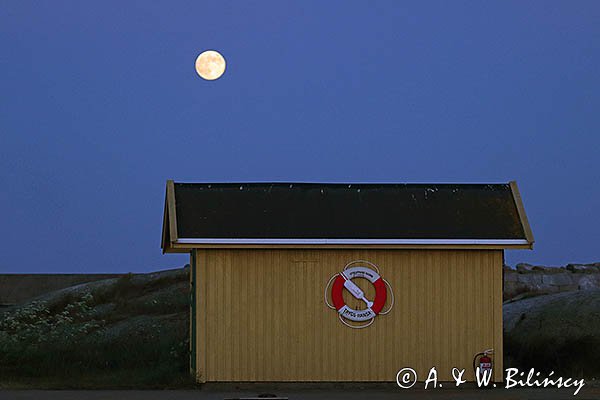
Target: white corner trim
500, 242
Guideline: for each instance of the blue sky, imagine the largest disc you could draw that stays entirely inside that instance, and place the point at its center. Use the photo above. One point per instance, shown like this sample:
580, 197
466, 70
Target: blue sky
100, 105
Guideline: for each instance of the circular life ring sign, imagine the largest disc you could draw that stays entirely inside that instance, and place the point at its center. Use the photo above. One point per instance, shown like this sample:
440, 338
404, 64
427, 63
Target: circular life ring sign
344, 280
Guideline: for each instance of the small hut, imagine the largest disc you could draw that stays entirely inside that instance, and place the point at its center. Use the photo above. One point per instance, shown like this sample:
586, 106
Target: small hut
343, 282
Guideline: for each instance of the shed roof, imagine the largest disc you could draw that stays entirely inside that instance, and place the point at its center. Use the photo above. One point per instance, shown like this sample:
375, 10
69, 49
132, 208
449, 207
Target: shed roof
338, 215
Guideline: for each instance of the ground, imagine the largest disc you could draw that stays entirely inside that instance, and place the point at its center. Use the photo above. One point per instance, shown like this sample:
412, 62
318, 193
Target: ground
390, 393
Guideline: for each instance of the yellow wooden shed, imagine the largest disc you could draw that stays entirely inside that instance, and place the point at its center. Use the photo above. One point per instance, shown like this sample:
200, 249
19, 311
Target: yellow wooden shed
310, 282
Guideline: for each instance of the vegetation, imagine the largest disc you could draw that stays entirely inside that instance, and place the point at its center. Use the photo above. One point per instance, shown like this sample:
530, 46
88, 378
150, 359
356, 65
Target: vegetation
35, 324
567, 358
130, 333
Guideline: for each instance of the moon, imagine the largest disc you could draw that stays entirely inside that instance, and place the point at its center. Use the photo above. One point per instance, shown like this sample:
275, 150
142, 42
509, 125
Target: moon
210, 65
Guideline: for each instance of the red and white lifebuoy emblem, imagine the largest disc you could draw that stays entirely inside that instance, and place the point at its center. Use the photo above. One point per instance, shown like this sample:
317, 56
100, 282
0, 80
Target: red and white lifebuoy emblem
370, 272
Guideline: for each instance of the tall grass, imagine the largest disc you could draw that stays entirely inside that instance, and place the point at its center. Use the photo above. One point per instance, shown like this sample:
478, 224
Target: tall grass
570, 358
66, 347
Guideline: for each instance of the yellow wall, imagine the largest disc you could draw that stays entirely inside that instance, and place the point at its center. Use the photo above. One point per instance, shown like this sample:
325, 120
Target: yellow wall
261, 317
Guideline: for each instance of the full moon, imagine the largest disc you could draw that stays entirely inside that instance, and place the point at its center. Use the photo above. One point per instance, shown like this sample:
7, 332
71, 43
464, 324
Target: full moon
210, 65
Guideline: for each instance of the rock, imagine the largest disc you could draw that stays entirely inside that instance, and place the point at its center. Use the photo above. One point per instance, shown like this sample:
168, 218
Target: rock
559, 332
524, 267
563, 279
513, 289
588, 282
127, 286
549, 270
559, 313
583, 268
531, 280
511, 276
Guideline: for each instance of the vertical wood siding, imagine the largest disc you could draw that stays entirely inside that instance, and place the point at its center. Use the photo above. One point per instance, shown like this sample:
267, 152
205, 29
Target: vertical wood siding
261, 317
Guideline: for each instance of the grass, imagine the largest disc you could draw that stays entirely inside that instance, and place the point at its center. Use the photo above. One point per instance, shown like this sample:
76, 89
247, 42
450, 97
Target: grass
110, 366
159, 378
142, 360
142, 342
120, 364
571, 358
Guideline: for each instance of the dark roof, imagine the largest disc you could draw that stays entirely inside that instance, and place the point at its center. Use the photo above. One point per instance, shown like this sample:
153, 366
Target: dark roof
346, 211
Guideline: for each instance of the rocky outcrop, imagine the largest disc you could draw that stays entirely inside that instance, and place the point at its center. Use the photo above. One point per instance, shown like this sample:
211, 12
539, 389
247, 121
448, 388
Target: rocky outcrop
527, 280
18, 288
559, 332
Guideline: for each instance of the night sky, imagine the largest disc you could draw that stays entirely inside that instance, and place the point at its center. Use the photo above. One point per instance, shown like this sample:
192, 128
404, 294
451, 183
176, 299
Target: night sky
100, 105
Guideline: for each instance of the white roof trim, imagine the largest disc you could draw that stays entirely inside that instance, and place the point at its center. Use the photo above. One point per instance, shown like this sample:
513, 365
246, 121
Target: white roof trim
500, 242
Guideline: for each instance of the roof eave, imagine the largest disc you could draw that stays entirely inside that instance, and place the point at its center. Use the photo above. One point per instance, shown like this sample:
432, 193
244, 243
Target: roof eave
522, 214
169, 232
186, 244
